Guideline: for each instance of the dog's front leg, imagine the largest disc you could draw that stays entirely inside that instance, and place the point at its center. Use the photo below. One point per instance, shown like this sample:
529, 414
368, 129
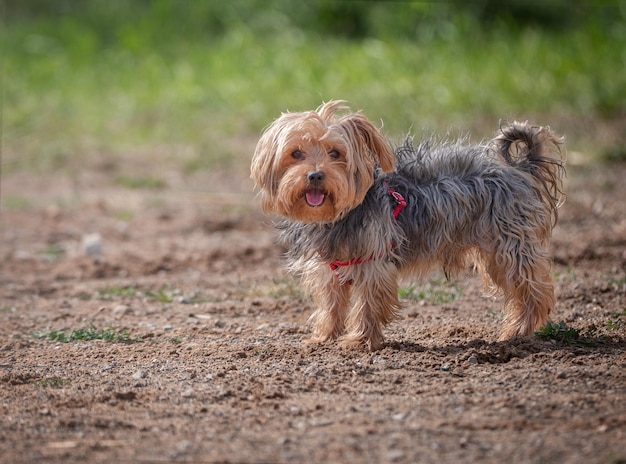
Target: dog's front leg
376, 304
332, 297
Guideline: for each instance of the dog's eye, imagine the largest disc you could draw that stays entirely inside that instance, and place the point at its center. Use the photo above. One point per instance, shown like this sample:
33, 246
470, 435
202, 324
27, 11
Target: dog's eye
297, 154
334, 154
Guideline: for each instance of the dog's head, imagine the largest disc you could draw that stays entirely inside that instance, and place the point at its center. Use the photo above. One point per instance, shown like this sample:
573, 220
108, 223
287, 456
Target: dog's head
316, 166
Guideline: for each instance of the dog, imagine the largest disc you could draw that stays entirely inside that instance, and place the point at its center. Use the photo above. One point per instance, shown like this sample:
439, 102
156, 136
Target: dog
357, 216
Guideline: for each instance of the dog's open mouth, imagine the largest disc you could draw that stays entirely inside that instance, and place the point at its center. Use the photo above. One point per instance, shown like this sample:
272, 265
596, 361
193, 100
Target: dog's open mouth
315, 197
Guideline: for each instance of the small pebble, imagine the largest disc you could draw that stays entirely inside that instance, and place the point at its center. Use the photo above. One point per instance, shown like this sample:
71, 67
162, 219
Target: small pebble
121, 310
139, 375
472, 359
396, 455
91, 245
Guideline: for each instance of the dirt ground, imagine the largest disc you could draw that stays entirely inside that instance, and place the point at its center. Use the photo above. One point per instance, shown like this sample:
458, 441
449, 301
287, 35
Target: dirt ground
208, 363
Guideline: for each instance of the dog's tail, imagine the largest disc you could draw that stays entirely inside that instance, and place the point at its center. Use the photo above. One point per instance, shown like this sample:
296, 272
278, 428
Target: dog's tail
536, 151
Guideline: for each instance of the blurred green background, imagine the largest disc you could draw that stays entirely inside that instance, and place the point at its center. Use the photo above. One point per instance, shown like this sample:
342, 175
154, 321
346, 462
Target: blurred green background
193, 82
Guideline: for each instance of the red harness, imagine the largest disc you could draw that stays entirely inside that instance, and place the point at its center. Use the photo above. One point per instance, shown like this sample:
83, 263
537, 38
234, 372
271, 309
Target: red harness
335, 265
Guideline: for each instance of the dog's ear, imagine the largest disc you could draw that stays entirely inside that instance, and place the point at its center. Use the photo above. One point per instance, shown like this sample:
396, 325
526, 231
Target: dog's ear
373, 140
264, 164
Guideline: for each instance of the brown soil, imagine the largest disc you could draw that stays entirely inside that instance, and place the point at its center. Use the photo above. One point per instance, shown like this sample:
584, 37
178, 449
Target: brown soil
215, 368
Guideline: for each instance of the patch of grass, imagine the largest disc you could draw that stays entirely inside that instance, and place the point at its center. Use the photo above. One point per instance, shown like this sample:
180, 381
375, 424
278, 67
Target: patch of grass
54, 252
124, 215
286, 287
55, 382
561, 333
262, 352
566, 276
161, 295
90, 333
613, 324
615, 154
436, 292
145, 182
114, 291
85, 78
616, 322
16, 203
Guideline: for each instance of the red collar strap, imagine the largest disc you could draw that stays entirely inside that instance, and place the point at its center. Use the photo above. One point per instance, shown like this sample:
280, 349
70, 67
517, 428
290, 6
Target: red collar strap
400, 201
335, 265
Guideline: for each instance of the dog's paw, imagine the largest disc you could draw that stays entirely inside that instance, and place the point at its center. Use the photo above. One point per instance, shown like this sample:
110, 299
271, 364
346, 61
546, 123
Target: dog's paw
358, 342
316, 340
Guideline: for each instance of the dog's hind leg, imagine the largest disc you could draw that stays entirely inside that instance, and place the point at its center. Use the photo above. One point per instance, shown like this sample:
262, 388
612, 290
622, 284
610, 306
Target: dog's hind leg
526, 281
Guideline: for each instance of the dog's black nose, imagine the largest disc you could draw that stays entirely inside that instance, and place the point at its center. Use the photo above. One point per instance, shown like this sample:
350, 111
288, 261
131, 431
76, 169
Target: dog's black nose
315, 177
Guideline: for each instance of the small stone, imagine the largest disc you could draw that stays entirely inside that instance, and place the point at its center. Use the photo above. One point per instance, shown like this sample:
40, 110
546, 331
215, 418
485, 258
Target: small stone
472, 359
184, 445
396, 455
121, 311
91, 245
139, 375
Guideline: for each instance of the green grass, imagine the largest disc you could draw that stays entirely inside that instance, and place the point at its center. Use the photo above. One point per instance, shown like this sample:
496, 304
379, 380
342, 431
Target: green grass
87, 334
54, 252
142, 182
166, 294
286, 287
562, 333
176, 340
56, 382
16, 203
115, 291
195, 84
436, 292
161, 295
616, 321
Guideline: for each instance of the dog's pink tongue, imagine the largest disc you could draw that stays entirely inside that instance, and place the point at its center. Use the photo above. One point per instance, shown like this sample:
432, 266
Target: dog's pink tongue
315, 197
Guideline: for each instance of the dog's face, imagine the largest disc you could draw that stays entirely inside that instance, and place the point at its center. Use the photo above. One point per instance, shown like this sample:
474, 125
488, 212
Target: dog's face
316, 166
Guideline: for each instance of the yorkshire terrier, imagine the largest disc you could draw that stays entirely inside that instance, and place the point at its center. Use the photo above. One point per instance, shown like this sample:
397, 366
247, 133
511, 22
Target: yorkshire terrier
358, 216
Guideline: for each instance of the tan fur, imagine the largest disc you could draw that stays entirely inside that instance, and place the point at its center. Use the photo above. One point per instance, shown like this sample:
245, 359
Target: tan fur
282, 179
